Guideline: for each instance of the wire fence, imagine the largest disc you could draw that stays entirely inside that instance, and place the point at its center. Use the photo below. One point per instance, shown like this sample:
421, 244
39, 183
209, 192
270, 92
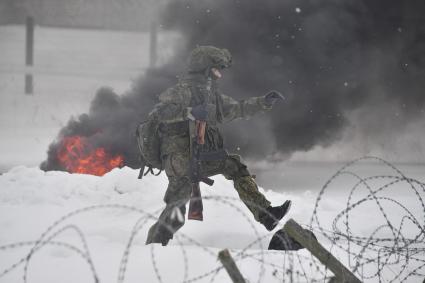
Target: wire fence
389, 250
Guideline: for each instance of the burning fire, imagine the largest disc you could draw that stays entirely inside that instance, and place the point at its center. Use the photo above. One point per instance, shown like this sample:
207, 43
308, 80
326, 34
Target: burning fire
76, 155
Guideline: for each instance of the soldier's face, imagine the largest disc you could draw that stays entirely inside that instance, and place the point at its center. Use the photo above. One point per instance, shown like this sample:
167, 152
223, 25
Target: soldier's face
216, 73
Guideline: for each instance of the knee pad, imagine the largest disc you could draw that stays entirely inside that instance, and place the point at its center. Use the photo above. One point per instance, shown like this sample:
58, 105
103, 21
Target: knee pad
234, 168
178, 191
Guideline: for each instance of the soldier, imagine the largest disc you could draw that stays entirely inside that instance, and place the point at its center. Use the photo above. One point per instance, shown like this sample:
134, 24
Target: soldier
196, 97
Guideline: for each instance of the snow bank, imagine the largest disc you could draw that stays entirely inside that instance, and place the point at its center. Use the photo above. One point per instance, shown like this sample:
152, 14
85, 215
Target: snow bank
110, 206
27, 188
31, 200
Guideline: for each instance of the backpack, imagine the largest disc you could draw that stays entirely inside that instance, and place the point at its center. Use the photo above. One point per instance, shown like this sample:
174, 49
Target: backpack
148, 143
171, 108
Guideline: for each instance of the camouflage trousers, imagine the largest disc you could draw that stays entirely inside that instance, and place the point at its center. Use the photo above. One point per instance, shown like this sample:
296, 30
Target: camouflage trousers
180, 188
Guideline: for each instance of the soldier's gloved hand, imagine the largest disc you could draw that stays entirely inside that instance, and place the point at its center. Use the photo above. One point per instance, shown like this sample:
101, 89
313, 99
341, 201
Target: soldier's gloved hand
272, 96
200, 112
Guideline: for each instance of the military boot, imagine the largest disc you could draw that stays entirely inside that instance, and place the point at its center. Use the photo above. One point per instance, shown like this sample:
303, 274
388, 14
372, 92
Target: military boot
271, 217
158, 235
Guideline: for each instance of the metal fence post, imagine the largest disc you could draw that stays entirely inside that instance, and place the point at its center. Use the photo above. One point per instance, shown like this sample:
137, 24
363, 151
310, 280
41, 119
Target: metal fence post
29, 54
153, 52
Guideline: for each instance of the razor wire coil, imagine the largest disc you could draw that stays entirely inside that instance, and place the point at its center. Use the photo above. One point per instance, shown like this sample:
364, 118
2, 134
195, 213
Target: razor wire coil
395, 257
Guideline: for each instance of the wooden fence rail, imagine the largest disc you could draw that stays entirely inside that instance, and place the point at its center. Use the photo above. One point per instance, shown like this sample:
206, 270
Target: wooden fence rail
304, 237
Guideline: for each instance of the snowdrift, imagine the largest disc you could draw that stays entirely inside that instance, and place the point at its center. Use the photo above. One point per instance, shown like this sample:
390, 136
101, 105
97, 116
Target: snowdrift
82, 227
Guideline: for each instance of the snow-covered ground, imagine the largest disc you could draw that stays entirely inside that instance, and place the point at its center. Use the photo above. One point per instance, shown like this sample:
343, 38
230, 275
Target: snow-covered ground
106, 210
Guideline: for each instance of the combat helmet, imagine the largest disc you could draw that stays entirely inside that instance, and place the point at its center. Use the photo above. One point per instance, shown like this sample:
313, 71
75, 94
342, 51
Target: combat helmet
203, 58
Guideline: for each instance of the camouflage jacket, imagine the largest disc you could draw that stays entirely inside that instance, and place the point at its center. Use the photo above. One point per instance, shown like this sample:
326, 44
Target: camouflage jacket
194, 89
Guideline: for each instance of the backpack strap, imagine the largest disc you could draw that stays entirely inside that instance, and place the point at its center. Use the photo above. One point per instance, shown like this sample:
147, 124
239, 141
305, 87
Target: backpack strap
142, 169
149, 170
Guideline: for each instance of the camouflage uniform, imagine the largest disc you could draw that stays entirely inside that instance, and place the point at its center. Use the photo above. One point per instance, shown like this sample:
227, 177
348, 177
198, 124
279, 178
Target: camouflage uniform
194, 88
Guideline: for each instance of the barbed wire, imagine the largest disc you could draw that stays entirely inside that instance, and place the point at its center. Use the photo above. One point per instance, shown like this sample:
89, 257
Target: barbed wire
376, 252
393, 251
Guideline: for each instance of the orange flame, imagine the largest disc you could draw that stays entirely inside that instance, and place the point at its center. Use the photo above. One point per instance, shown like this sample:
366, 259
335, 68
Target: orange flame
76, 155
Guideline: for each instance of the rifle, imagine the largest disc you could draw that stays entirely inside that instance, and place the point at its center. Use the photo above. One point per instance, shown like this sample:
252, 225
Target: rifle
197, 139
197, 156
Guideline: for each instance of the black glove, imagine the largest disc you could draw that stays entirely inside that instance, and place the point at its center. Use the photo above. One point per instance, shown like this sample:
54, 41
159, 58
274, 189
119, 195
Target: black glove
200, 112
272, 96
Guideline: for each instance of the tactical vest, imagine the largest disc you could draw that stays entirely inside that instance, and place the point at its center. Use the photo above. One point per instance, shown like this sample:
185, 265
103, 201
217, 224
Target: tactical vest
169, 114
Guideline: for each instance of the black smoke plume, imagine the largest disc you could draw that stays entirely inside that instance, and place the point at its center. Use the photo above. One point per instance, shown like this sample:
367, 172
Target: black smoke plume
328, 57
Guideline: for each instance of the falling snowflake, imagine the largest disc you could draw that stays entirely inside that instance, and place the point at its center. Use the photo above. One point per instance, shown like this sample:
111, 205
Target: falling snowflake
298, 10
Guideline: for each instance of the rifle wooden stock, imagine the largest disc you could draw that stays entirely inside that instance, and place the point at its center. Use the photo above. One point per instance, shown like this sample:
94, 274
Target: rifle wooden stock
196, 206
